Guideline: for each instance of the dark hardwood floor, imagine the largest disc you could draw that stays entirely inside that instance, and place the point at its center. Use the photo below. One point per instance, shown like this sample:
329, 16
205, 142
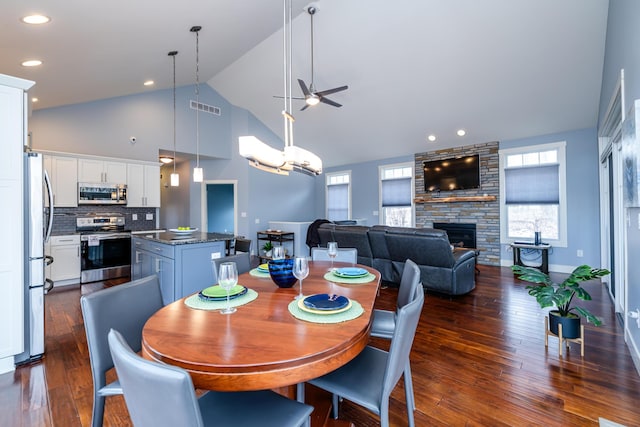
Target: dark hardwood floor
478, 360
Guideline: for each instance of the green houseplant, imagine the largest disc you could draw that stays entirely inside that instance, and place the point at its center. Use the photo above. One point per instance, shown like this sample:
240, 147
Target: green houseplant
561, 295
267, 248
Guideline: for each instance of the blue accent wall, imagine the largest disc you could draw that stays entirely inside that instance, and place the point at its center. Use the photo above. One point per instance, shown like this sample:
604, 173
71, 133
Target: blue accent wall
103, 127
621, 52
365, 188
583, 196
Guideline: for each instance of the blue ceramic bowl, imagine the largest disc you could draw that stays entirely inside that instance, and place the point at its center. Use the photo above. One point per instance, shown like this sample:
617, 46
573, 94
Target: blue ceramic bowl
281, 272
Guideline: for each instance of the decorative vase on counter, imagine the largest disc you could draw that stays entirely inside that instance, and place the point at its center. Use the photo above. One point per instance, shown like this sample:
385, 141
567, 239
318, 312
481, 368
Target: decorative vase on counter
281, 272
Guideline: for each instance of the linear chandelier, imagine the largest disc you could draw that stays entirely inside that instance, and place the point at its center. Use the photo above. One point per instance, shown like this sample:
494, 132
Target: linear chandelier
292, 158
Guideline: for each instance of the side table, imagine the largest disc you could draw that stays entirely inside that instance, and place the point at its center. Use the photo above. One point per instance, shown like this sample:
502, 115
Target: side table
279, 237
542, 247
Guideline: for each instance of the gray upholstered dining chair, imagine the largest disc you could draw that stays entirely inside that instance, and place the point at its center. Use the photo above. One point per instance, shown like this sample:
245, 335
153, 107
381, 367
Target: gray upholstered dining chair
159, 395
242, 245
369, 379
384, 321
344, 255
125, 307
242, 260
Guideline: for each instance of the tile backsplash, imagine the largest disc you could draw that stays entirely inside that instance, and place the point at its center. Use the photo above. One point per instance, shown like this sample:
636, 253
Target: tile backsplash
64, 219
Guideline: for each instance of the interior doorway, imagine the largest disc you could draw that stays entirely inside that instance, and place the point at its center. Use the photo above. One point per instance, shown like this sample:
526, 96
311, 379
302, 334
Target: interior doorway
219, 206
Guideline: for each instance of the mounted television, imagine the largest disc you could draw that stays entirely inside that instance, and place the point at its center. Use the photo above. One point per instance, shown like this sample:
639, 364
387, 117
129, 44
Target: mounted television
460, 173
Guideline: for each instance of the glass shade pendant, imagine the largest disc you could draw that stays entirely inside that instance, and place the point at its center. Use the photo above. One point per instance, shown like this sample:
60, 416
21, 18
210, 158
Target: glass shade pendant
198, 174
175, 178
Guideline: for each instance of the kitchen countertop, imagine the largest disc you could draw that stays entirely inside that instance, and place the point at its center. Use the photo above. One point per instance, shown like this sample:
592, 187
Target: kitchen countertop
169, 238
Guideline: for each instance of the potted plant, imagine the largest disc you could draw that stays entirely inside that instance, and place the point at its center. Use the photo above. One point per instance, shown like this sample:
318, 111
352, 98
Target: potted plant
560, 295
267, 248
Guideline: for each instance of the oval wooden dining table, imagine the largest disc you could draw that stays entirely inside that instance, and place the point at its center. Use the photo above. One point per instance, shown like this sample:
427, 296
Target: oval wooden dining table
260, 346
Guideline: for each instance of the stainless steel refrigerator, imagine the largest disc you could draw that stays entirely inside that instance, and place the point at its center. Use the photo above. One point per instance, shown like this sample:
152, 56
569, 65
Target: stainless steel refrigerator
37, 229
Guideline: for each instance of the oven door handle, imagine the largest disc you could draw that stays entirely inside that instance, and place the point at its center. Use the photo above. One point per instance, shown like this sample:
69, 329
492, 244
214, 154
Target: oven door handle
85, 238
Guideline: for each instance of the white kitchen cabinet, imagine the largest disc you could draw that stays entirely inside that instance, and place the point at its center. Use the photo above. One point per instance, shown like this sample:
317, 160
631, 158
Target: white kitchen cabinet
63, 172
101, 171
65, 251
13, 132
143, 185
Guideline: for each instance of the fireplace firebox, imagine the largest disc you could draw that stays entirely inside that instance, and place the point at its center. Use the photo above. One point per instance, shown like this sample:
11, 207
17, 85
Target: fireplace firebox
462, 235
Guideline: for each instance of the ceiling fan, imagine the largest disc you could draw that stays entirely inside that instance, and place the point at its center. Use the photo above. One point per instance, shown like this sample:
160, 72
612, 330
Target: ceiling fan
311, 95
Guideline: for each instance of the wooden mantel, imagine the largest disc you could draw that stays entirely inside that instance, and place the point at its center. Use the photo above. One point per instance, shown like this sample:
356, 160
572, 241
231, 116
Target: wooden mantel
430, 199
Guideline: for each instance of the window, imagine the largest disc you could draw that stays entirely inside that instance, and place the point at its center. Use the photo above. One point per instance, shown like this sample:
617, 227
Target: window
533, 196
338, 196
396, 195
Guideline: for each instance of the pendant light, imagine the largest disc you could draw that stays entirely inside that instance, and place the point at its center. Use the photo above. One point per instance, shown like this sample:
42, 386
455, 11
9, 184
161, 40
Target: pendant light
175, 178
292, 158
198, 175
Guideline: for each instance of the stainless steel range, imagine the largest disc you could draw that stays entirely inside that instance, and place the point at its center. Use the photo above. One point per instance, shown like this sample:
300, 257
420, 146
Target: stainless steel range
105, 247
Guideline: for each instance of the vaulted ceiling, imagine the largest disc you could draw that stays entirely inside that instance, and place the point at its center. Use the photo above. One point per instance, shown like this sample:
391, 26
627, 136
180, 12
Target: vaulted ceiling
500, 69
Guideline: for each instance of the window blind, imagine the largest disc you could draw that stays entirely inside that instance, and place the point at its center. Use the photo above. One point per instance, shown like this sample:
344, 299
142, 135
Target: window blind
532, 185
338, 202
396, 192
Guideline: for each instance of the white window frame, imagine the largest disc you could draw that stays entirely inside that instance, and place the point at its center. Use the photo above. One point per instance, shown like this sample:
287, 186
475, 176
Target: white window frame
328, 178
562, 207
381, 171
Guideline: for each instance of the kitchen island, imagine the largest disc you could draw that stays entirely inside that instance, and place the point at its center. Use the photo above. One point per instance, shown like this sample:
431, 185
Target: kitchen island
181, 261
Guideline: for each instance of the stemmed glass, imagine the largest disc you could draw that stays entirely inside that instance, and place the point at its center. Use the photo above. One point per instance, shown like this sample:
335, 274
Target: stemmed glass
300, 271
277, 252
227, 279
332, 251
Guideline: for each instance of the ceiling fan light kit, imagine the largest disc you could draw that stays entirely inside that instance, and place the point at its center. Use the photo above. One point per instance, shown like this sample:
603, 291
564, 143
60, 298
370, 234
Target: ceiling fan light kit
264, 157
311, 95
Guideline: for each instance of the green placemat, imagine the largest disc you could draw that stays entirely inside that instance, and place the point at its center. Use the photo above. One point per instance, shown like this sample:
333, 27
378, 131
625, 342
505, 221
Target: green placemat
257, 273
194, 301
355, 311
333, 278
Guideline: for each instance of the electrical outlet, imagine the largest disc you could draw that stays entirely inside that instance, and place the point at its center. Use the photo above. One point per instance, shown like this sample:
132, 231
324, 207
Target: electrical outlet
580, 253
375, 213
149, 217
134, 217
243, 214
216, 255
257, 220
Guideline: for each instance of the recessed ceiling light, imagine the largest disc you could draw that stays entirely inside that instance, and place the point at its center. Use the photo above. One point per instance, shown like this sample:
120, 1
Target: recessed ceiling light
34, 99
431, 138
32, 63
35, 19
461, 132
149, 83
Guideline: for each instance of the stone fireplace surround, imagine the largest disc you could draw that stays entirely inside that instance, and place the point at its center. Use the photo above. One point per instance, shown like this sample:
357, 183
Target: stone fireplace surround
478, 206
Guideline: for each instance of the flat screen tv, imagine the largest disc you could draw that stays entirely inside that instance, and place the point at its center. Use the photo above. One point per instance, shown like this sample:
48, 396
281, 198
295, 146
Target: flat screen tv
460, 173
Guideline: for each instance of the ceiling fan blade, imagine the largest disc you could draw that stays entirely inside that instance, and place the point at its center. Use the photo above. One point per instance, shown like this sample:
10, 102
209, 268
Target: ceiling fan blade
330, 91
305, 107
330, 102
303, 86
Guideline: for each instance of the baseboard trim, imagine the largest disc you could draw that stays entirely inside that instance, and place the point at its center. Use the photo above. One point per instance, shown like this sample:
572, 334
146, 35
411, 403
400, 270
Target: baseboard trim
7, 364
553, 268
632, 346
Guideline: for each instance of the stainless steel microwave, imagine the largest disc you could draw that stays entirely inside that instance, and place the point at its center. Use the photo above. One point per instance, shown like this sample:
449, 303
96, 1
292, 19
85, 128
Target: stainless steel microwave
102, 194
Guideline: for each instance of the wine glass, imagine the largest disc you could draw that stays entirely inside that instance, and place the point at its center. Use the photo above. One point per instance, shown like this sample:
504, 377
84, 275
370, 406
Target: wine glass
301, 271
332, 251
277, 252
227, 279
